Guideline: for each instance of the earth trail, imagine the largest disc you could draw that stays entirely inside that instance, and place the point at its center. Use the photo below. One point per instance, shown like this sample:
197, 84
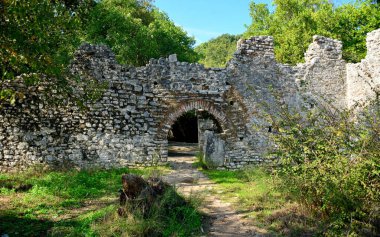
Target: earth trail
224, 220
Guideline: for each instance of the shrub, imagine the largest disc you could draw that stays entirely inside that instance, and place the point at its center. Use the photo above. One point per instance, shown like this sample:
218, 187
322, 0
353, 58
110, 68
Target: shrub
331, 164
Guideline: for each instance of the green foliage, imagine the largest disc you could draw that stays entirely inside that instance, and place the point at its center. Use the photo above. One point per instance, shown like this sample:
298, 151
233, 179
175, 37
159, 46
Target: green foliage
199, 163
217, 52
136, 32
351, 25
37, 42
331, 164
84, 203
38, 39
294, 22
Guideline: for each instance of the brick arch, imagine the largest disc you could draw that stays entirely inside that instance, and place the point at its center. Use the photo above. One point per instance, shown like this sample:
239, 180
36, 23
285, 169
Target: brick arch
175, 112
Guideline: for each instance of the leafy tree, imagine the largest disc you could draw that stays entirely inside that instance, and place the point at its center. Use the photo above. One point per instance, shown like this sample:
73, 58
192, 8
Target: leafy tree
170, 39
137, 31
260, 17
294, 22
37, 41
217, 52
351, 25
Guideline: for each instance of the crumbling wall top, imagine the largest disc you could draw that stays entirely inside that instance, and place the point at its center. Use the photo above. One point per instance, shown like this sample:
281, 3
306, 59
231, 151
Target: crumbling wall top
324, 48
95, 51
256, 46
373, 44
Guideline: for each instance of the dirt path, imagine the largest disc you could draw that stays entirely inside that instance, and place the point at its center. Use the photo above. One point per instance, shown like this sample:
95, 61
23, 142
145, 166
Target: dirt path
224, 220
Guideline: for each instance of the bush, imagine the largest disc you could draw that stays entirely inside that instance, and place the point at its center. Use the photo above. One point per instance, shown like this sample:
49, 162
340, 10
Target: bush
331, 164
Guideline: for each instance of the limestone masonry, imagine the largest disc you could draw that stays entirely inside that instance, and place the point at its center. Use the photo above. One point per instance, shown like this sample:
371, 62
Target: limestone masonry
129, 125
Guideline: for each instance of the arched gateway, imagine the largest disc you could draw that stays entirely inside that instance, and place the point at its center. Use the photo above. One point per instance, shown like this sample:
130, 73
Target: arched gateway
129, 124
175, 112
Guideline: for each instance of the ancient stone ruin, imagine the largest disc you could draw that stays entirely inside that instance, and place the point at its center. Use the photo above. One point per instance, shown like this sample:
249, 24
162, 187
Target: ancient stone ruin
129, 125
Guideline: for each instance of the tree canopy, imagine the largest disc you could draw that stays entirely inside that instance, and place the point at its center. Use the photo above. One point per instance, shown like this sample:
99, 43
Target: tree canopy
294, 22
137, 31
217, 52
38, 38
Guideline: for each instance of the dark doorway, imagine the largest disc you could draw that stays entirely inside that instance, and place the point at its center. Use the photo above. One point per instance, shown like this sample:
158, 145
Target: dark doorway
184, 134
185, 129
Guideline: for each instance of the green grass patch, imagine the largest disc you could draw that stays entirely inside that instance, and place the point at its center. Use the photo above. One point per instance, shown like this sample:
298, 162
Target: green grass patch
253, 191
83, 203
199, 164
170, 215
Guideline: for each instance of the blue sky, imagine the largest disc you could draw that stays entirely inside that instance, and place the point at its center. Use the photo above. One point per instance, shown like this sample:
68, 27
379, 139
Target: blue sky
206, 19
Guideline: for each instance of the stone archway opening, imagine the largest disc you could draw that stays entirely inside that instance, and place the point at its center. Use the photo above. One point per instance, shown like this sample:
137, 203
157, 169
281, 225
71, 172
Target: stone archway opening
186, 135
185, 128
190, 126
211, 120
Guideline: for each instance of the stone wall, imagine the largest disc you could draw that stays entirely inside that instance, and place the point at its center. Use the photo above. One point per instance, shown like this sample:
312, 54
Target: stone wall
129, 124
363, 79
323, 75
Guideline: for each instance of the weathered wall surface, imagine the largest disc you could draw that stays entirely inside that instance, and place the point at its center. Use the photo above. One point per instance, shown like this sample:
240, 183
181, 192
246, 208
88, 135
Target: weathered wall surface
363, 79
130, 123
260, 81
127, 126
323, 75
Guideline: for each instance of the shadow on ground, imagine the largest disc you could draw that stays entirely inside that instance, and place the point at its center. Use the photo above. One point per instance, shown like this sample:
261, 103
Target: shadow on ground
14, 225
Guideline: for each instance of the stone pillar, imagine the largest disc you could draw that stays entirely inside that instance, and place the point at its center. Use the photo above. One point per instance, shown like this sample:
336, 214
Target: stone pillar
213, 150
203, 126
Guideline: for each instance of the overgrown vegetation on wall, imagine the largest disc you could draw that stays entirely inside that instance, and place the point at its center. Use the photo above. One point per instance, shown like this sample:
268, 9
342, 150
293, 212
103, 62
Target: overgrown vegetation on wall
327, 182
37, 41
38, 38
330, 159
330, 163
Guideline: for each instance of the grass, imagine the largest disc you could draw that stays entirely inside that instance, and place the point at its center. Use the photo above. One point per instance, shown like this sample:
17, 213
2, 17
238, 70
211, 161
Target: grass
253, 191
199, 163
171, 215
85, 203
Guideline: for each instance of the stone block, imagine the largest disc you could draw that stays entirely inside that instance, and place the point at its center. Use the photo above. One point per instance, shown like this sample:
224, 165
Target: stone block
213, 150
